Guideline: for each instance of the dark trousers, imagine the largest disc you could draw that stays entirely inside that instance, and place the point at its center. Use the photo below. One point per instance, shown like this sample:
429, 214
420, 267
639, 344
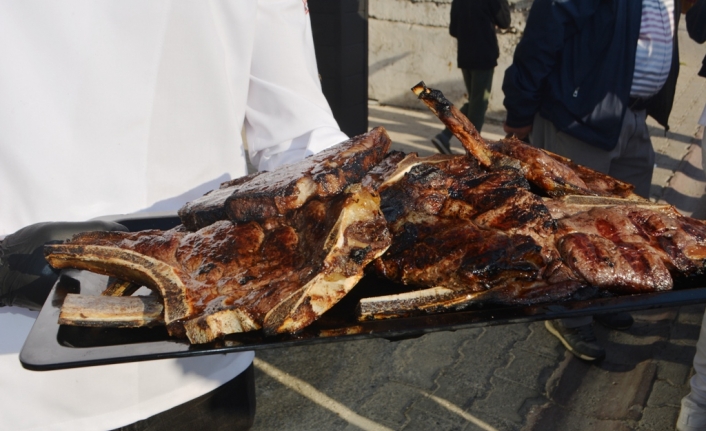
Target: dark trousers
231, 407
478, 85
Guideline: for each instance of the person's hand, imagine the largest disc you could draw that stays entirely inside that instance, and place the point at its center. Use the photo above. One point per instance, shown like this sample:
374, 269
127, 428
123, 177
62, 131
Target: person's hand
25, 276
519, 132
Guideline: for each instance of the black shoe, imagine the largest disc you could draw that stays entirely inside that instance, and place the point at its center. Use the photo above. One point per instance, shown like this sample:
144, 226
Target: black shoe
581, 341
442, 143
620, 321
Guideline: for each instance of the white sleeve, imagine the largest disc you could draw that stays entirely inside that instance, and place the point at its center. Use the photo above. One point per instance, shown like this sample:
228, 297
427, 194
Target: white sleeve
287, 116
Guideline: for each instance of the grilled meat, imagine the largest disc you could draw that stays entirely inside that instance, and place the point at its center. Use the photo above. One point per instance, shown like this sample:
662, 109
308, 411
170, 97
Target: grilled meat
465, 235
306, 250
269, 194
274, 251
555, 175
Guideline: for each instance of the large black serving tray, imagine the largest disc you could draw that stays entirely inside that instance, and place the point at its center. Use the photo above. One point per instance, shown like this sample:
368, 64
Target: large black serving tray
51, 346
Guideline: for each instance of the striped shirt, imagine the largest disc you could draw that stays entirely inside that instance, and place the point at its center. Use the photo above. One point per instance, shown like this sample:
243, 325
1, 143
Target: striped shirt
654, 47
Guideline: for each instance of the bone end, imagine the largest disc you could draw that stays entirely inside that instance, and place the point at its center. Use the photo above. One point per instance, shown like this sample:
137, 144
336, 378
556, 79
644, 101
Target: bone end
420, 88
107, 311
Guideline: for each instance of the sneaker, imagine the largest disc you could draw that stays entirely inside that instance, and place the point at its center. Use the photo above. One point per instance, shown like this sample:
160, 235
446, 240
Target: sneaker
581, 341
442, 143
692, 416
620, 321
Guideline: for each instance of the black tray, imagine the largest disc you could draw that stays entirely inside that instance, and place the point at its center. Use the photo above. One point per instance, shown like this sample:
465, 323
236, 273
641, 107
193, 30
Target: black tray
51, 346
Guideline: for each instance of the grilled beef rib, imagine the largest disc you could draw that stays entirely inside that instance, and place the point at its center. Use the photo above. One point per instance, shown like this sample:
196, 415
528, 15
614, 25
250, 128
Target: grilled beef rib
277, 273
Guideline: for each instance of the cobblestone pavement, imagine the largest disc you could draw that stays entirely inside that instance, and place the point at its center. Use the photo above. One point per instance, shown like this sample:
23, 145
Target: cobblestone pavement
511, 377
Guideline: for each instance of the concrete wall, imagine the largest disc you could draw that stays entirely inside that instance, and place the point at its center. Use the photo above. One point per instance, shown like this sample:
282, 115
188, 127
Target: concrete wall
409, 42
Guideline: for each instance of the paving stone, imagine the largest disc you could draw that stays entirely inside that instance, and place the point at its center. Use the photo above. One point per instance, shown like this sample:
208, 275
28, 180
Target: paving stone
566, 379
389, 405
682, 331
418, 362
627, 350
506, 400
541, 342
466, 381
478, 358
552, 417
663, 394
606, 391
691, 314
658, 418
421, 420
674, 363
347, 372
527, 369
434, 413
289, 410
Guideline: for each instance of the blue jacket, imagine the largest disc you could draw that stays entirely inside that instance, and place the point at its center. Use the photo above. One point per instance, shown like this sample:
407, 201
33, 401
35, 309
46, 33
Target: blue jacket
574, 65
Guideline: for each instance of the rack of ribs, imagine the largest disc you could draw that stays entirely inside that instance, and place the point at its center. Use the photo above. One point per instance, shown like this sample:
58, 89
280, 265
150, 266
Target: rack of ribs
505, 224
278, 273
464, 236
475, 229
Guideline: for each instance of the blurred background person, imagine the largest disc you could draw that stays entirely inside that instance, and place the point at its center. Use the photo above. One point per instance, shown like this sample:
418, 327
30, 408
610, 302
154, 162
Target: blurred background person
473, 24
584, 77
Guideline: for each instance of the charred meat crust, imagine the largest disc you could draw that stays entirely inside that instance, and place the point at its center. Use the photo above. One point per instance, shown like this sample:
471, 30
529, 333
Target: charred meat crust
279, 275
271, 194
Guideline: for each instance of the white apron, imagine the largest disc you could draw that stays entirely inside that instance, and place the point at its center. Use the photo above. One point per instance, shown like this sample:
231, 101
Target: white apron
122, 106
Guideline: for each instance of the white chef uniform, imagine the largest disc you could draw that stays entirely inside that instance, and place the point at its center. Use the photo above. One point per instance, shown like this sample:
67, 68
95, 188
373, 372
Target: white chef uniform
123, 106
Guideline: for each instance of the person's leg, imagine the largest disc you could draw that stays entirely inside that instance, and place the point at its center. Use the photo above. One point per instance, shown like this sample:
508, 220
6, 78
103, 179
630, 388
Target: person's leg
636, 159
692, 415
479, 83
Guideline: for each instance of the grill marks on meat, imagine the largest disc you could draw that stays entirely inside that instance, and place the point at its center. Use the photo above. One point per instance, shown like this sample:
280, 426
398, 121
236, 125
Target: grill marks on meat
682, 239
619, 267
502, 200
466, 235
664, 240
555, 175
457, 254
459, 232
280, 274
272, 250
269, 194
